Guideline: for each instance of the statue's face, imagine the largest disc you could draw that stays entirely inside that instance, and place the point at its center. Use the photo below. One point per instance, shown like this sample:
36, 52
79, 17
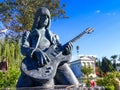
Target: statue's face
43, 21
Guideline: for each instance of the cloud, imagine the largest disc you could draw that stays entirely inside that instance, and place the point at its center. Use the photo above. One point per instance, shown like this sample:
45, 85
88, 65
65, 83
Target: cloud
106, 13
97, 11
112, 13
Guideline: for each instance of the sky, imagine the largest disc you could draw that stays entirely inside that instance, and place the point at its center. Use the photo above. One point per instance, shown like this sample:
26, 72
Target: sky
102, 15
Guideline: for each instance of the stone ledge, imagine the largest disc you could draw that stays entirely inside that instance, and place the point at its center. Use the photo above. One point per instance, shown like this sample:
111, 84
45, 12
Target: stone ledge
58, 87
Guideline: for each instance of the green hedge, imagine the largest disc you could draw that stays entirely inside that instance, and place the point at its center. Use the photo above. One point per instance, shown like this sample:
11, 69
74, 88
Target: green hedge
109, 87
9, 79
10, 49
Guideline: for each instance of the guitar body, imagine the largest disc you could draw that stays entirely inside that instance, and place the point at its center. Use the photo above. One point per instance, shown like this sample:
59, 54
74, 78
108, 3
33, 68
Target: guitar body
31, 68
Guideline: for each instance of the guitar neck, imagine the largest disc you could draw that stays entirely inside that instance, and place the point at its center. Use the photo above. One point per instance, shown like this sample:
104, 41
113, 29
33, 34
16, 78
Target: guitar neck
87, 31
77, 37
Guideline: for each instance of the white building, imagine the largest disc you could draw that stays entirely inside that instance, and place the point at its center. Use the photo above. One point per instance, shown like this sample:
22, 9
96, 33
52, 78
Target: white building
83, 60
118, 67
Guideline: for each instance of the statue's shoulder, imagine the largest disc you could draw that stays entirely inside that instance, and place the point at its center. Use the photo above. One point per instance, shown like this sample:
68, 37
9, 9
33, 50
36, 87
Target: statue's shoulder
25, 35
52, 33
34, 33
54, 37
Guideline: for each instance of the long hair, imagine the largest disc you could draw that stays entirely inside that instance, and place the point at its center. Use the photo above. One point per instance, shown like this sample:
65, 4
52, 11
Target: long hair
41, 11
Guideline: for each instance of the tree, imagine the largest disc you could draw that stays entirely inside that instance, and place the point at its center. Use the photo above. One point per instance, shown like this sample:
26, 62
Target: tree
18, 15
86, 70
114, 57
98, 67
106, 65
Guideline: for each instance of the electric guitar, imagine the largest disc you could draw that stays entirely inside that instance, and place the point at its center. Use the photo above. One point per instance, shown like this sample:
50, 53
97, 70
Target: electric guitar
31, 68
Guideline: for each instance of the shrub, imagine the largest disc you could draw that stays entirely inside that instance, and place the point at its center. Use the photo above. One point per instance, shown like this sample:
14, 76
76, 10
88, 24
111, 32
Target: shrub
109, 80
109, 87
88, 83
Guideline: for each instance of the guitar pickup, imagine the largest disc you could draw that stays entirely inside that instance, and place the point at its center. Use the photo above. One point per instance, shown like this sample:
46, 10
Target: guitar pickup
48, 68
47, 71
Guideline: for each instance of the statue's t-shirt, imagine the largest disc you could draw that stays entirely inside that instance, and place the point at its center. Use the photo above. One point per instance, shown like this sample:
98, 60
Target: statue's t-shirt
44, 42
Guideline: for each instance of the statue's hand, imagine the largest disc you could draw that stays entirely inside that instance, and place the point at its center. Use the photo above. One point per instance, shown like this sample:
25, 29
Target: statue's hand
68, 48
41, 57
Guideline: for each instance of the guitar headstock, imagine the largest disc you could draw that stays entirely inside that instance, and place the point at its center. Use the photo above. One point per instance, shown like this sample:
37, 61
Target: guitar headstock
89, 30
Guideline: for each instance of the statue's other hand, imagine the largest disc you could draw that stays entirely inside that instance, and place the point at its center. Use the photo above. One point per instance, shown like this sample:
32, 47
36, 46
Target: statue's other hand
68, 48
41, 58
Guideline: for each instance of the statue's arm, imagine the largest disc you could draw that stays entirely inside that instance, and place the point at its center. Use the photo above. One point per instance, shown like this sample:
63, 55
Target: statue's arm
67, 48
31, 50
26, 49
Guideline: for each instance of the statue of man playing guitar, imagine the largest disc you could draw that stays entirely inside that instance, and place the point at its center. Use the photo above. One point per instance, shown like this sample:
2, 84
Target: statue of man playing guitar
39, 63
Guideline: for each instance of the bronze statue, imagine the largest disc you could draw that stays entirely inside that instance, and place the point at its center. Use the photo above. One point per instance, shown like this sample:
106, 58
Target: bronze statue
46, 59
